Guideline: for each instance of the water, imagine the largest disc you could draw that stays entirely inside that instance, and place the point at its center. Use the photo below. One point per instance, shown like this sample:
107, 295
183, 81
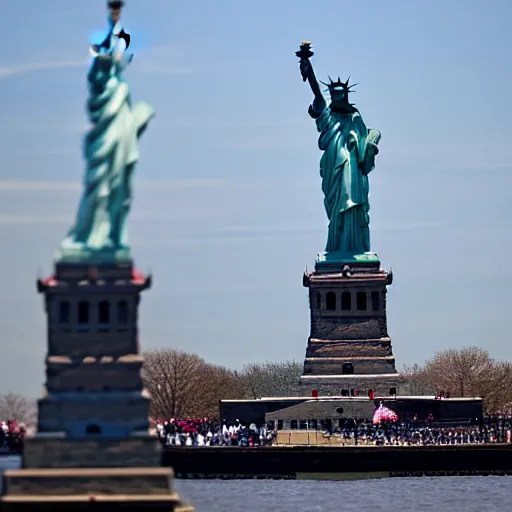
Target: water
439, 494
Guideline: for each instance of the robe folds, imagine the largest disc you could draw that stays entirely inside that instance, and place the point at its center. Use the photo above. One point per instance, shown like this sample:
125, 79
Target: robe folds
349, 150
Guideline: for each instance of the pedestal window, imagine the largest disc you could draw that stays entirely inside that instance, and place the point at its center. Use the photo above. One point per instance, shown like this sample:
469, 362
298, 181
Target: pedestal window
361, 301
346, 301
83, 312
64, 312
330, 301
122, 312
347, 369
93, 430
104, 312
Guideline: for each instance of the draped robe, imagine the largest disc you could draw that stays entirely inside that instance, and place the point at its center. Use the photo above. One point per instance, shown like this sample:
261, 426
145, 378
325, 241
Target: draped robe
349, 150
111, 152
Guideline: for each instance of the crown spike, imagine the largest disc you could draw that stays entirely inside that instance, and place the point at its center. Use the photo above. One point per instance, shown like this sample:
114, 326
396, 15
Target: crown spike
339, 84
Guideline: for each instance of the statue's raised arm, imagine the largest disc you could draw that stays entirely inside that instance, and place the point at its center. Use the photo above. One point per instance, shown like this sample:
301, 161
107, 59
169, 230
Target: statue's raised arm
117, 40
348, 156
306, 70
111, 151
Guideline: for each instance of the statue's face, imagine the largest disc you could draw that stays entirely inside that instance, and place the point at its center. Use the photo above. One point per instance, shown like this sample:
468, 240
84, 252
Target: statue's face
339, 100
339, 95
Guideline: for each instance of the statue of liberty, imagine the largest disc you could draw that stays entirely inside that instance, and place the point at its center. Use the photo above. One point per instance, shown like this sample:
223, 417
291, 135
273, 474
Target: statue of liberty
110, 151
349, 150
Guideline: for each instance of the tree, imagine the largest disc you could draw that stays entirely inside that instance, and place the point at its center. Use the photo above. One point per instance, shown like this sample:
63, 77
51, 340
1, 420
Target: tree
272, 379
496, 390
172, 377
218, 383
465, 372
17, 407
414, 382
184, 385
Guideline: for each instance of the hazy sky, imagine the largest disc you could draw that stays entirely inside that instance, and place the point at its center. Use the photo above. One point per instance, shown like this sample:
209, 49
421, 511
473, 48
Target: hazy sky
228, 208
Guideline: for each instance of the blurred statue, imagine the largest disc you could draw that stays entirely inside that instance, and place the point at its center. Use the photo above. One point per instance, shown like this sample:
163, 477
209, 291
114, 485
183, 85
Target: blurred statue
110, 151
349, 150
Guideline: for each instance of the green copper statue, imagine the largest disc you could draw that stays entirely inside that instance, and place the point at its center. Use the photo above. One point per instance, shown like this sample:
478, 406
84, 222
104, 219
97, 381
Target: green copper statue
110, 151
349, 150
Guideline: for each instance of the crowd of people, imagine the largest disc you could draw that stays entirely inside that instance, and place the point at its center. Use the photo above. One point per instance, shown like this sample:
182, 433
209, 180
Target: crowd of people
11, 437
206, 432
424, 434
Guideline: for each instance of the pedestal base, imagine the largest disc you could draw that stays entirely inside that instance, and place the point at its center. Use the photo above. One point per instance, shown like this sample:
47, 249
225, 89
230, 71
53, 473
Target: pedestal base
111, 414
54, 452
334, 261
334, 385
91, 489
84, 255
91, 474
349, 350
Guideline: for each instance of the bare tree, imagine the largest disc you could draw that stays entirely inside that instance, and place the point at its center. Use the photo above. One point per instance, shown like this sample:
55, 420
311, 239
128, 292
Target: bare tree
414, 382
272, 379
496, 389
462, 372
466, 372
184, 385
19, 408
172, 377
217, 383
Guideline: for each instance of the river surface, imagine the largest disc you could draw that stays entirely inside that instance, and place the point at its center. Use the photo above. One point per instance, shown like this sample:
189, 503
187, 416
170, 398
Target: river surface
439, 494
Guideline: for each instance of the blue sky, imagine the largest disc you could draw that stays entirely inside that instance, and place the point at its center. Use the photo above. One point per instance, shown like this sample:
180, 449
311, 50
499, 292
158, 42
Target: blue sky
228, 209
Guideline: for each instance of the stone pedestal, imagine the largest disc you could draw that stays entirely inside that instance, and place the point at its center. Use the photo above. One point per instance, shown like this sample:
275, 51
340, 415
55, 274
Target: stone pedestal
93, 450
124, 489
60, 452
93, 364
349, 350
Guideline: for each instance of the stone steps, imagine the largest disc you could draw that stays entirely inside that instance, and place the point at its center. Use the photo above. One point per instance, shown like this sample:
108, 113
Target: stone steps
92, 374
349, 350
79, 482
362, 365
51, 452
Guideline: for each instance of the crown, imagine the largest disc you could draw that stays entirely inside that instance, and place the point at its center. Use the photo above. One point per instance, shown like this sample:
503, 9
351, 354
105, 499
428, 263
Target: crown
339, 84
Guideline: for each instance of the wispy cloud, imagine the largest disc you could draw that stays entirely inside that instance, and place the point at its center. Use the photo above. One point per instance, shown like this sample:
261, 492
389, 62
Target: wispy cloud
162, 68
210, 239
39, 186
32, 219
457, 156
23, 69
159, 59
406, 226
269, 229
66, 186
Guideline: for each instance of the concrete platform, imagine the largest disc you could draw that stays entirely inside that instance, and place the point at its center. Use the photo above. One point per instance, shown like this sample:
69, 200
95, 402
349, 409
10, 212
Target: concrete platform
91, 489
112, 503
53, 452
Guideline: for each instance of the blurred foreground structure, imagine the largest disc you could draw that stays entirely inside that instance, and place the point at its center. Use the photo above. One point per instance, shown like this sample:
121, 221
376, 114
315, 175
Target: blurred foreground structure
93, 449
